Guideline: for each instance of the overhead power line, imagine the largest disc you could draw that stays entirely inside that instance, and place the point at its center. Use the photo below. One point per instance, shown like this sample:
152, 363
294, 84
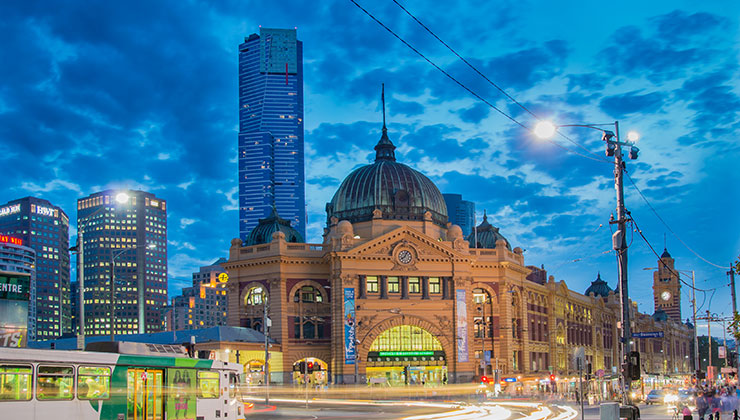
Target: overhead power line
666, 224
462, 85
491, 82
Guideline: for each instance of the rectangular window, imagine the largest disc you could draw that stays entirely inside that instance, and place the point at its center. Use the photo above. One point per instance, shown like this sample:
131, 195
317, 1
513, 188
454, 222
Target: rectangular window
55, 382
207, 384
414, 285
394, 285
93, 383
15, 382
434, 285
371, 284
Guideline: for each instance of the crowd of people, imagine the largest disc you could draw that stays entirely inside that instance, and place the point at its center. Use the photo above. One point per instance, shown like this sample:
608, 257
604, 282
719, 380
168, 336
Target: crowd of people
713, 402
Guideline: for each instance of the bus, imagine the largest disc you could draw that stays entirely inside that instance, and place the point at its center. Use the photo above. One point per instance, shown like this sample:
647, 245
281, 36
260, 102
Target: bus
128, 381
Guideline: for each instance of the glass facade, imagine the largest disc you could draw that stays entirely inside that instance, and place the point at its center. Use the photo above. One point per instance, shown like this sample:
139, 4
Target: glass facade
43, 227
127, 241
460, 212
271, 156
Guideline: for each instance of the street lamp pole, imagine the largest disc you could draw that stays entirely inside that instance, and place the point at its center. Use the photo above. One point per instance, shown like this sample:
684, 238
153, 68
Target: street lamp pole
113, 285
696, 336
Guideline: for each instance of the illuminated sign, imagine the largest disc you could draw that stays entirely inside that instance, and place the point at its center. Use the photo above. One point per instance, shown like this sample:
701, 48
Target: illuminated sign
509, 379
12, 209
405, 353
15, 286
10, 240
223, 277
154, 203
43, 211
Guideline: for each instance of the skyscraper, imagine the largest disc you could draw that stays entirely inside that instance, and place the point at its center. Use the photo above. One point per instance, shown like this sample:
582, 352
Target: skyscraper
124, 237
460, 212
204, 304
271, 163
43, 227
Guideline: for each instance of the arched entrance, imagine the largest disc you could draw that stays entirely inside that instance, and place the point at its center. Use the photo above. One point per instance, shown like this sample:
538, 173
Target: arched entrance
406, 355
311, 370
254, 372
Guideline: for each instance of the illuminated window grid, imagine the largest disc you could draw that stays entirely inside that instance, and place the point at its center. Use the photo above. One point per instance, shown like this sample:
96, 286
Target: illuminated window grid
405, 338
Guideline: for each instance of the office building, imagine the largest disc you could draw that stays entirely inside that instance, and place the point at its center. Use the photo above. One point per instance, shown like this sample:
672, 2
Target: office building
43, 227
461, 212
125, 238
15, 258
204, 304
271, 162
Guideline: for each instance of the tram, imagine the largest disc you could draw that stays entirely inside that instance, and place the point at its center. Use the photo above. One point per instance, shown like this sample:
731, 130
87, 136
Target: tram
132, 381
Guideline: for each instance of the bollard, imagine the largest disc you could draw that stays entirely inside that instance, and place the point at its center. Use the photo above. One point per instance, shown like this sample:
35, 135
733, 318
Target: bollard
609, 411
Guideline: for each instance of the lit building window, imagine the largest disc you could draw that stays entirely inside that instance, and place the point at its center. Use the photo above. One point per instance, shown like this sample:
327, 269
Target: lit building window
371, 284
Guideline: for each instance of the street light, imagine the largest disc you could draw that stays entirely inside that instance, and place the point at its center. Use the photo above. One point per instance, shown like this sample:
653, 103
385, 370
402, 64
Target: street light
546, 129
149, 246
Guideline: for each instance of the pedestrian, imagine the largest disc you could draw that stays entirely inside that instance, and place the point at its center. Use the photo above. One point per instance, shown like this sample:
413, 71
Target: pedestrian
715, 406
702, 405
687, 413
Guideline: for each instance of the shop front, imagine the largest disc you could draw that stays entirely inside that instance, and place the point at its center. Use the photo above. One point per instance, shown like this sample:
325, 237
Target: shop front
406, 355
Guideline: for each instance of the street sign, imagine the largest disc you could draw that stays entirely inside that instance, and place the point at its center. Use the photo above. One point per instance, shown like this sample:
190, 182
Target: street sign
650, 334
509, 379
600, 373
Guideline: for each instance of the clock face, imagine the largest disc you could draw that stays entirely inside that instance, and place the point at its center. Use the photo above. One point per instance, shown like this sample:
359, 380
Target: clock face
665, 295
404, 257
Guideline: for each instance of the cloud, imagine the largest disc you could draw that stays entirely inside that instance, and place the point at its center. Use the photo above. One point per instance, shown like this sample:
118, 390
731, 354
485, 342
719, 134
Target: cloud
629, 103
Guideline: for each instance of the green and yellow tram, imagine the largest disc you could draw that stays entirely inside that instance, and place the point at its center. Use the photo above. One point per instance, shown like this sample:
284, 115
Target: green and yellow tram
138, 382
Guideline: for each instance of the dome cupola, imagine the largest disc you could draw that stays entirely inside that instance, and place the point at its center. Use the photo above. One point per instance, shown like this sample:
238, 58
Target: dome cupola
262, 233
388, 190
486, 235
599, 288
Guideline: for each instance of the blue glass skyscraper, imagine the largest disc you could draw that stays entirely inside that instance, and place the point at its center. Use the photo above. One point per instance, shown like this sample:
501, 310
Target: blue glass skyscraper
460, 212
271, 163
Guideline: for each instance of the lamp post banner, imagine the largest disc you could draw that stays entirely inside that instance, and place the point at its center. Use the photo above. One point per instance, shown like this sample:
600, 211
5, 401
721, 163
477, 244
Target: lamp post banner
350, 335
462, 326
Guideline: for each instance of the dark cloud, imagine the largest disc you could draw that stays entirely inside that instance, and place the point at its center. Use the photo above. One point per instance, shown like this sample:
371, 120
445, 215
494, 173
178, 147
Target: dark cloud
475, 113
331, 139
406, 108
628, 103
435, 141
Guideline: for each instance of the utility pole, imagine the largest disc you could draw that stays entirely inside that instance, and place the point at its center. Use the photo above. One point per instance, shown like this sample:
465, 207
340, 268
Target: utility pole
265, 328
709, 333
731, 273
619, 242
696, 336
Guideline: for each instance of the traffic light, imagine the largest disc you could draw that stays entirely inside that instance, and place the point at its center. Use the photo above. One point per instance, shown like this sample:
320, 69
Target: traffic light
552, 377
588, 371
700, 375
310, 367
633, 365
299, 367
484, 379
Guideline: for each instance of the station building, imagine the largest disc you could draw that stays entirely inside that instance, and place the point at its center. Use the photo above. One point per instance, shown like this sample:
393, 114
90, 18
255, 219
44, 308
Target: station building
396, 295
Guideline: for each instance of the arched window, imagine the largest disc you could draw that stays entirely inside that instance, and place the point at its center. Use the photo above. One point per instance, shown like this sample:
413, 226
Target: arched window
311, 313
482, 303
405, 338
254, 302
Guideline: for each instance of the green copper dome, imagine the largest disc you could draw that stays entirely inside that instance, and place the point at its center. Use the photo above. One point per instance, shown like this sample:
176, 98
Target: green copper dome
262, 233
399, 192
599, 287
485, 236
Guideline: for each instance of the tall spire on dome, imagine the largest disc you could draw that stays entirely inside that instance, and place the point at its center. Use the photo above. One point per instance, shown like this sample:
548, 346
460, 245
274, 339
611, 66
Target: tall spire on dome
384, 150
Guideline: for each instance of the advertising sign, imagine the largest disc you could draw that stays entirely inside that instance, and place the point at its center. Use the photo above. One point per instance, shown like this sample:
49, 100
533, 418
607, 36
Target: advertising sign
11, 240
11, 209
651, 334
721, 352
350, 333
14, 295
181, 387
462, 325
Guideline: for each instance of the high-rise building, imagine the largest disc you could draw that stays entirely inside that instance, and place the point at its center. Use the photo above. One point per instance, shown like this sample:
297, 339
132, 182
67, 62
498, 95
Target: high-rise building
44, 227
460, 212
17, 258
124, 237
271, 162
204, 304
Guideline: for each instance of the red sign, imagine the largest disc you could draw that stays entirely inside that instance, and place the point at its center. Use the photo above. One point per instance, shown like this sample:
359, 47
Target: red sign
10, 240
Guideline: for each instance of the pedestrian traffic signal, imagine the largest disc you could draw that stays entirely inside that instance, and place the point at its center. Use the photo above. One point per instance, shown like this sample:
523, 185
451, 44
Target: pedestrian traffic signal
552, 377
633, 365
484, 379
310, 367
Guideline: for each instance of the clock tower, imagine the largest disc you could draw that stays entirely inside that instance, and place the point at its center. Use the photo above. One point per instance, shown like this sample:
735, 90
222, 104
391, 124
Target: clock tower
667, 288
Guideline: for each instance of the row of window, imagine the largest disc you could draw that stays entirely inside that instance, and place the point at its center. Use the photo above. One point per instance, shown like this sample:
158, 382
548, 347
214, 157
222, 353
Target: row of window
393, 284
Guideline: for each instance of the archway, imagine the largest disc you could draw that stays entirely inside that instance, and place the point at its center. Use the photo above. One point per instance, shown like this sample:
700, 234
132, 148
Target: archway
406, 355
311, 370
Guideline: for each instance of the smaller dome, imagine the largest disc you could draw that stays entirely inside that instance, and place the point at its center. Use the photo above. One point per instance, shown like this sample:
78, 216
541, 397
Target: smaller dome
454, 233
486, 235
665, 254
660, 316
689, 324
345, 228
263, 232
599, 287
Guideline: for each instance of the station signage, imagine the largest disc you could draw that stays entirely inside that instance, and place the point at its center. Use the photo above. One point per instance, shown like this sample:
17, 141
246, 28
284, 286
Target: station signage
15, 287
10, 240
404, 353
650, 334
11, 209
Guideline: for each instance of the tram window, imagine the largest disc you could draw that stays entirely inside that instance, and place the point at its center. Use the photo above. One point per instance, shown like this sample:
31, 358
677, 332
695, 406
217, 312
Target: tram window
394, 285
371, 284
414, 285
434, 285
93, 383
16, 382
55, 382
207, 384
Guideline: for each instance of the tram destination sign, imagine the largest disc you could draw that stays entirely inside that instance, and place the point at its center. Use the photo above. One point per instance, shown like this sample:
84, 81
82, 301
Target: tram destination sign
650, 334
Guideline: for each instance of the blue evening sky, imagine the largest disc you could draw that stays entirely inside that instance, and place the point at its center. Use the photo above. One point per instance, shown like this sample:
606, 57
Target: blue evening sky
136, 94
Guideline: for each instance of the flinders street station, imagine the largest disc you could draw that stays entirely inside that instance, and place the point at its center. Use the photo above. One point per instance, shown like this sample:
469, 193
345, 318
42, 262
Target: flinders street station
396, 295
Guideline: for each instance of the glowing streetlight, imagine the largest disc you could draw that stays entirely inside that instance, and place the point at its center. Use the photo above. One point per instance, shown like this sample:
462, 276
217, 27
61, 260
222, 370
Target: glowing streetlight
633, 136
545, 129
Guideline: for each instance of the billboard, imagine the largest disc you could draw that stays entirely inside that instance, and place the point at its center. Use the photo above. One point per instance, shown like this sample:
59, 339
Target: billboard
462, 325
15, 289
350, 334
